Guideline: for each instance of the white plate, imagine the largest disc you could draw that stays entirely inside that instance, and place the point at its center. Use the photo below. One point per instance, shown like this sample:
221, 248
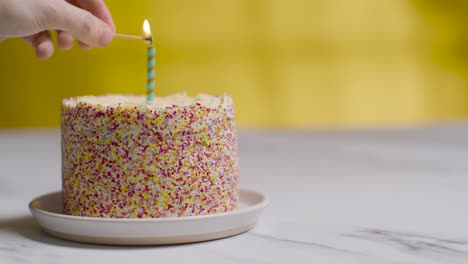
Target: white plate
47, 210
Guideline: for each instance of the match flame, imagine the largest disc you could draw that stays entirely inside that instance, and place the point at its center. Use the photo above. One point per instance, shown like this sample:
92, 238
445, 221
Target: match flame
146, 28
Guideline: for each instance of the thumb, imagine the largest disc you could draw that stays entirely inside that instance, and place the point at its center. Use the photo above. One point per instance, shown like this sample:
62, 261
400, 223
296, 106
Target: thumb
83, 25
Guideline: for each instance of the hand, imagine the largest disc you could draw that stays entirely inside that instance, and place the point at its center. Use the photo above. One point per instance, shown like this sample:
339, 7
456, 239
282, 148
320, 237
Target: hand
89, 21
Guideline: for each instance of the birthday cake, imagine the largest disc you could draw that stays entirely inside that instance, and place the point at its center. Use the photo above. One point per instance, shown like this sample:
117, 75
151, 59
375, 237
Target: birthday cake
123, 158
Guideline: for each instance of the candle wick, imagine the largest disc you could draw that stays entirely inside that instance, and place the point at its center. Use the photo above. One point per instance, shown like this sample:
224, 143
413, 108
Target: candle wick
149, 40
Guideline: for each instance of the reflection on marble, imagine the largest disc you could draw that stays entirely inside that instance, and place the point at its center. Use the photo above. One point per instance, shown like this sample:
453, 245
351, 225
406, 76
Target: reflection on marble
299, 242
336, 197
413, 242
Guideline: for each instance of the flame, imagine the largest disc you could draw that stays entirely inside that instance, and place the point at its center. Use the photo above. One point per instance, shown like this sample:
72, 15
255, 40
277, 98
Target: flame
146, 28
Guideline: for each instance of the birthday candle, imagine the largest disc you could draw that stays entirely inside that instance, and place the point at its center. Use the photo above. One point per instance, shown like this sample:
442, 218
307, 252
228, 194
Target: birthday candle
150, 83
150, 74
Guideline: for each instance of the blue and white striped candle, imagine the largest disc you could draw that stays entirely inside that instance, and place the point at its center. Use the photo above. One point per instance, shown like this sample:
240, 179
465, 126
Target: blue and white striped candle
150, 75
151, 63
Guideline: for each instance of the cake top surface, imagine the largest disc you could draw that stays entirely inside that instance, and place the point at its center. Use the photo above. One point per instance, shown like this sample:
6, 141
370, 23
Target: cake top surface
180, 99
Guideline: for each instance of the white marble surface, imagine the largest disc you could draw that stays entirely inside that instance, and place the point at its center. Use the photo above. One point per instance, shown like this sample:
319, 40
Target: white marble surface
336, 197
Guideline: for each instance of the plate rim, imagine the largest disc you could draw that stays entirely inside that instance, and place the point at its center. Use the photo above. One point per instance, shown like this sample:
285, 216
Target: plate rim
34, 208
151, 240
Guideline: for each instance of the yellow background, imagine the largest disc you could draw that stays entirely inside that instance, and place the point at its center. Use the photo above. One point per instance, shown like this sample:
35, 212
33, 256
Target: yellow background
287, 63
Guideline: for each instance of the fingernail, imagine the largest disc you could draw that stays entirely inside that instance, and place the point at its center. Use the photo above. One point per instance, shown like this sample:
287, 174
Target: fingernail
44, 50
106, 36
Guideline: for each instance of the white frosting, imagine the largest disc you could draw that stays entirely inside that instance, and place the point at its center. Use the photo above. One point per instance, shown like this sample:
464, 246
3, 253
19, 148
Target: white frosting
180, 99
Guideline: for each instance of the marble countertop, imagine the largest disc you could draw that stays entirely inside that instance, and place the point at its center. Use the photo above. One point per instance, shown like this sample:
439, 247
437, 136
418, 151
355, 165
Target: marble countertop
397, 196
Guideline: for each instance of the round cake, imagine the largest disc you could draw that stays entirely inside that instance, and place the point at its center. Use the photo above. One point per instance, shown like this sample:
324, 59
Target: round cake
122, 158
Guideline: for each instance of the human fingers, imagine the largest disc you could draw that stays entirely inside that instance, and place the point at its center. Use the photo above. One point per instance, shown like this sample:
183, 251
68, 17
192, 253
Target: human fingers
42, 43
99, 9
83, 25
84, 46
64, 40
